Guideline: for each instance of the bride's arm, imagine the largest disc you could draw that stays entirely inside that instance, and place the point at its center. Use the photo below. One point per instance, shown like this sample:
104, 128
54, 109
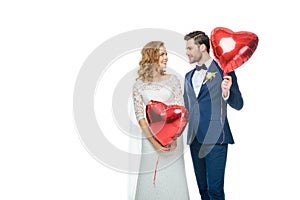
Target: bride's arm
139, 113
147, 132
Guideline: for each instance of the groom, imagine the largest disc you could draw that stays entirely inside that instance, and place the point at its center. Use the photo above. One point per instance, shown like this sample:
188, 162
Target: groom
206, 95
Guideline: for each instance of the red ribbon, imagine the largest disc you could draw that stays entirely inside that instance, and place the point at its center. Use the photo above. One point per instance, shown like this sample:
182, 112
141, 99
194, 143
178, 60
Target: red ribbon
154, 176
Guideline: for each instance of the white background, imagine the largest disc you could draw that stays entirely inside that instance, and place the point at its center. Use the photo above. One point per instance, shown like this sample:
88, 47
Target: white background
43, 46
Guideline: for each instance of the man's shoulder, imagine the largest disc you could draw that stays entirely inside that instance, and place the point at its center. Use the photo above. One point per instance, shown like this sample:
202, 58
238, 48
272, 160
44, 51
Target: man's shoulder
189, 72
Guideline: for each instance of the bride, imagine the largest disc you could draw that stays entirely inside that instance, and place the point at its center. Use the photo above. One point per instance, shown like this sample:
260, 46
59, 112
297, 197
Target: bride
161, 170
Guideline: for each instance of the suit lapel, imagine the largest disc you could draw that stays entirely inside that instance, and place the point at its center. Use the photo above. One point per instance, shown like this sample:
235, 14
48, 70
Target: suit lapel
190, 84
208, 84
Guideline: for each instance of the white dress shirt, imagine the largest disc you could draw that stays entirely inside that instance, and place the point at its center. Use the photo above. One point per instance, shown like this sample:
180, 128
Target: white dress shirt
199, 77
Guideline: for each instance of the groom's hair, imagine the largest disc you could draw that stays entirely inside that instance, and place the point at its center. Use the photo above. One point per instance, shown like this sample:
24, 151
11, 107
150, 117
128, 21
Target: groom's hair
199, 37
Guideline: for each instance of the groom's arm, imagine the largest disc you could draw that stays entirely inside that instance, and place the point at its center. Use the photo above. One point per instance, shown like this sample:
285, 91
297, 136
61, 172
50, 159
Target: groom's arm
235, 99
231, 91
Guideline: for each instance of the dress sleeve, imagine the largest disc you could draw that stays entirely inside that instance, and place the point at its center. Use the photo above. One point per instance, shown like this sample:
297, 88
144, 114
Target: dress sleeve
138, 101
176, 86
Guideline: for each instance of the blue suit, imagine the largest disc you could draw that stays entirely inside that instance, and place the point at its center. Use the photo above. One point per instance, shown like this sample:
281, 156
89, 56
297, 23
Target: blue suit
209, 131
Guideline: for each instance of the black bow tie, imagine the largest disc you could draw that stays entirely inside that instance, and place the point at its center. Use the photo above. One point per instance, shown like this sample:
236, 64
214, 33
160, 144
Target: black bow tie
198, 68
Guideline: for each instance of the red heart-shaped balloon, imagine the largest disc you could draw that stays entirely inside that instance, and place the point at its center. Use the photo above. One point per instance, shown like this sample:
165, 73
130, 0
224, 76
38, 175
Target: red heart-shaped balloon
232, 49
166, 121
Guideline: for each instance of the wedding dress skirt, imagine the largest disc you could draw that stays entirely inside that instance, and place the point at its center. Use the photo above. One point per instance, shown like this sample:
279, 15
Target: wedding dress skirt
161, 175
169, 182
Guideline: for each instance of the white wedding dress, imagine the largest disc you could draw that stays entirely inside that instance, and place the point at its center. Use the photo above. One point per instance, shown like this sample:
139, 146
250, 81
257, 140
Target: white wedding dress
161, 175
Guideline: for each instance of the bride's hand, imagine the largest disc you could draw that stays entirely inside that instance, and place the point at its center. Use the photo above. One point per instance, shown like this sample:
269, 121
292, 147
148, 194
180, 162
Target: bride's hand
158, 147
173, 145
168, 148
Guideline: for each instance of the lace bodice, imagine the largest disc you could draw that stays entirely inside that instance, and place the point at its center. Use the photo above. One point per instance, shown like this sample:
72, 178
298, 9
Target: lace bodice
167, 91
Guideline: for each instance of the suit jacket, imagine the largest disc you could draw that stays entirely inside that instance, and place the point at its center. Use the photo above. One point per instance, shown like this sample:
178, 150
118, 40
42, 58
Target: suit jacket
208, 111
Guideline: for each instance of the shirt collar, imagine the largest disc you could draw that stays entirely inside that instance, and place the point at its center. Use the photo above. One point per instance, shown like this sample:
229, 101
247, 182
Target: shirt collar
207, 63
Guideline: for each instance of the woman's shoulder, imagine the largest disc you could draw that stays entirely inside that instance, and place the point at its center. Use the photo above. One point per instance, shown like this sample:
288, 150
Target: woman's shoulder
170, 76
173, 77
137, 84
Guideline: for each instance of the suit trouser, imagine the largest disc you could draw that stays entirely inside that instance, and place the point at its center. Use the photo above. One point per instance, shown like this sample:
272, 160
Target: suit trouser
209, 165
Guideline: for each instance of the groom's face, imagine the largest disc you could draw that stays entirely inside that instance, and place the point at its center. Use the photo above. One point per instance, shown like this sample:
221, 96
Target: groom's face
193, 51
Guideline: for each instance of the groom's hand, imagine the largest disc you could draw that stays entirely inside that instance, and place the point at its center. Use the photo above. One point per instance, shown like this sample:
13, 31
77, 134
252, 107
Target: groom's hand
226, 84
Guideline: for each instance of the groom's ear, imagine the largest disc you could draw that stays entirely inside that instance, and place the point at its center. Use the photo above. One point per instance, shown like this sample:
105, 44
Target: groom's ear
202, 47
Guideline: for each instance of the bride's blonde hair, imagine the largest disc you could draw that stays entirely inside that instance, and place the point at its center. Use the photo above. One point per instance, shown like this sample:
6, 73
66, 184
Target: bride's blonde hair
150, 61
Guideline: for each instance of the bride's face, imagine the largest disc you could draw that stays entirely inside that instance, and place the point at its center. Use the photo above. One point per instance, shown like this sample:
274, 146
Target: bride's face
163, 57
